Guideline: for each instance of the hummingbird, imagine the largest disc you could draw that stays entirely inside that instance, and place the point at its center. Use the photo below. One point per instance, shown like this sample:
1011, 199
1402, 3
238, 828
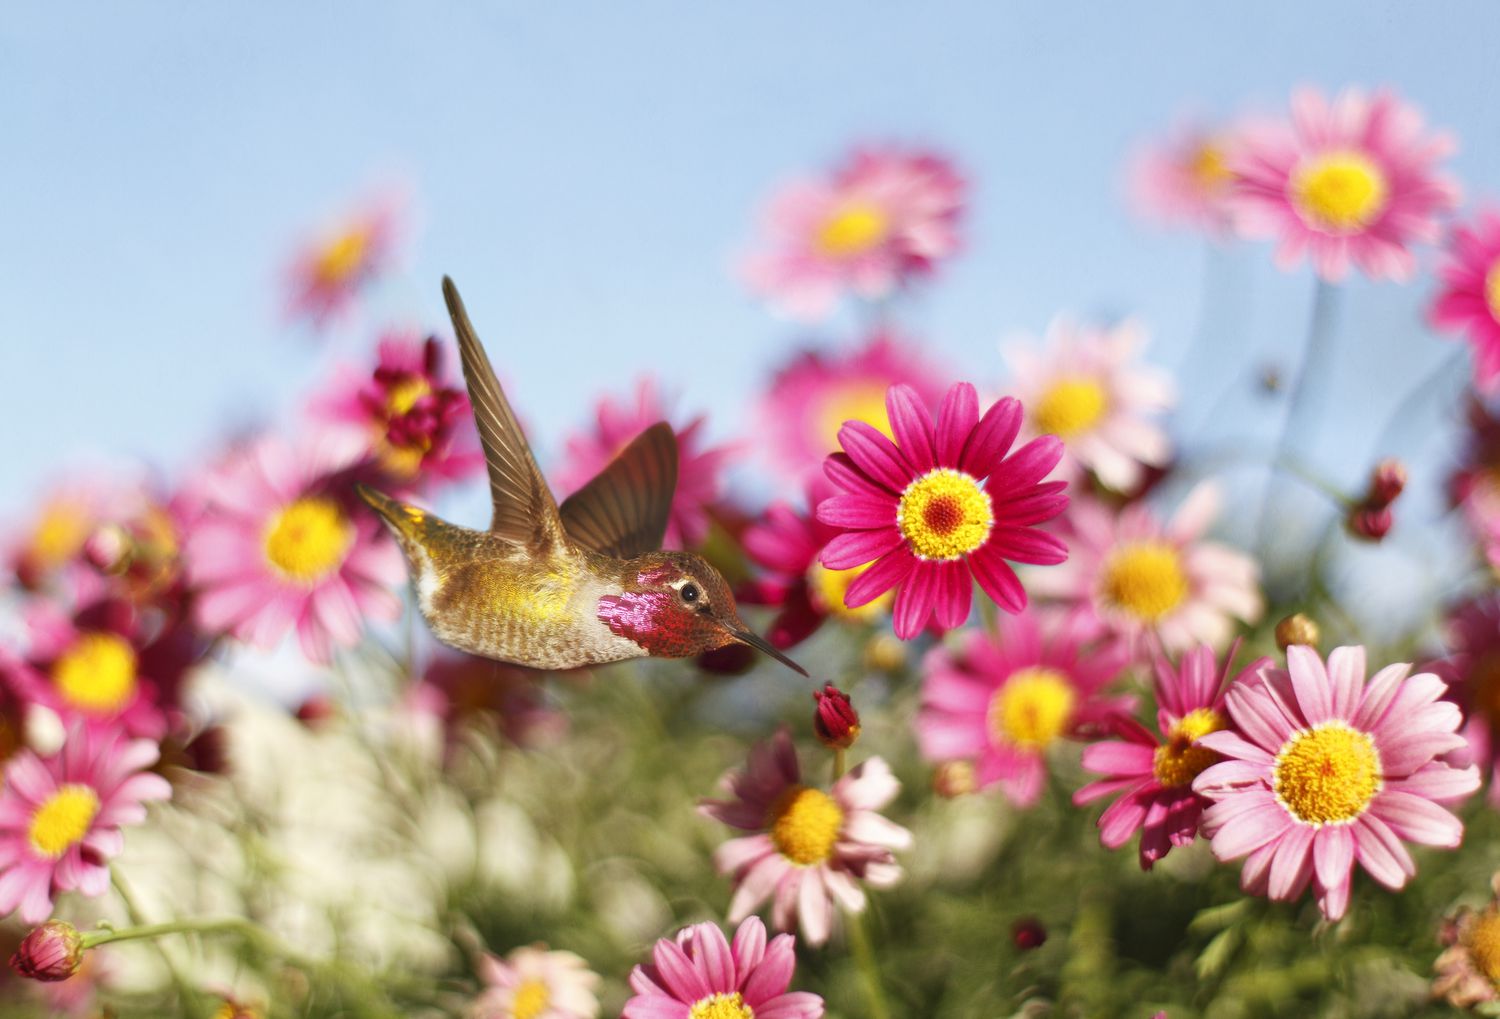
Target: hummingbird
557, 587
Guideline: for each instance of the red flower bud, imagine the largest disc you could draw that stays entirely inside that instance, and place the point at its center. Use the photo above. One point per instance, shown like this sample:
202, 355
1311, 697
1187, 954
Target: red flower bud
1386, 482
836, 723
50, 952
1028, 933
1370, 523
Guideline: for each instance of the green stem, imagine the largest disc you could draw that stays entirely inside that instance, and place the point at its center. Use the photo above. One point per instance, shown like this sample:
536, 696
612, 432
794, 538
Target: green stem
838, 764
864, 957
191, 1003
106, 935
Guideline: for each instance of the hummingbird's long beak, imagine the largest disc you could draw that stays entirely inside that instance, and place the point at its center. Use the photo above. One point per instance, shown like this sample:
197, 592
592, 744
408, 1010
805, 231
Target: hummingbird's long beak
760, 643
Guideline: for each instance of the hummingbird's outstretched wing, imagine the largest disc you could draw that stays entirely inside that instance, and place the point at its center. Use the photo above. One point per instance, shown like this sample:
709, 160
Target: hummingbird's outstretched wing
622, 511
525, 512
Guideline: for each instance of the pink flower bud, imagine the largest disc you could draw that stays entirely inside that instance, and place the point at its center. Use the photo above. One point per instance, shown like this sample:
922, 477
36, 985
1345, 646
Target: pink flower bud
836, 723
50, 952
1370, 523
1387, 481
1028, 933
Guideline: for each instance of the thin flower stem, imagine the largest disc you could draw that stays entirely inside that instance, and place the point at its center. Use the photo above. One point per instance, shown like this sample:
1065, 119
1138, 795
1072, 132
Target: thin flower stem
107, 935
864, 957
192, 1004
838, 764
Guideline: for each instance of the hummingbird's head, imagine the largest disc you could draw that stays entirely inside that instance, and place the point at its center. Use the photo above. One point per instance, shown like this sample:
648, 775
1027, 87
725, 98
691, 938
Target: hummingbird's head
676, 605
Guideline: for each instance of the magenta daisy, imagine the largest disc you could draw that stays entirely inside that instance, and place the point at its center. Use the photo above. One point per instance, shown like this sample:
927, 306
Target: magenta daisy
1152, 774
940, 505
810, 399
1350, 180
327, 274
1323, 771
884, 218
1472, 671
1185, 179
699, 466
60, 817
277, 547
1130, 575
700, 975
811, 849
1086, 386
533, 983
1003, 700
1470, 300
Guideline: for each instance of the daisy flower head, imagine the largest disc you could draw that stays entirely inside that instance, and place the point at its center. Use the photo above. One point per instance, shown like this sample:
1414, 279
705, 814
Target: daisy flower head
278, 546
1322, 770
700, 467
701, 975
1350, 180
941, 506
812, 396
60, 816
328, 272
1003, 700
1184, 179
884, 218
1470, 301
1086, 386
534, 983
1131, 575
811, 849
1153, 774
1472, 671
42, 551
1468, 970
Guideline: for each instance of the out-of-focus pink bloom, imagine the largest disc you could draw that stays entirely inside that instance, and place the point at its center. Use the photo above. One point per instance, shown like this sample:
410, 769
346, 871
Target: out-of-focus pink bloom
1086, 386
1468, 971
1004, 700
1472, 672
60, 817
1131, 576
941, 507
886, 217
1348, 181
811, 397
533, 983
279, 546
416, 424
700, 975
1185, 179
1470, 300
811, 849
331, 268
1152, 774
1322, 771
699, 468
462, 687
54, 539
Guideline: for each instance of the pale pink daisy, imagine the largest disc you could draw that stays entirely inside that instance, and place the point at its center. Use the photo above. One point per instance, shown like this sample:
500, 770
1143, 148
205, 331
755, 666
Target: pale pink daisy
1349, 181
700, 975
1086, 385
279, 546
811, 397
331, 268
941, 507
534, 983
1004, 700
1468, 971
60, 817
1131, 575
1152, 774
884, 218
1323, 771
1470, 300
1184, 179
699, 467
811, 849
1472, 671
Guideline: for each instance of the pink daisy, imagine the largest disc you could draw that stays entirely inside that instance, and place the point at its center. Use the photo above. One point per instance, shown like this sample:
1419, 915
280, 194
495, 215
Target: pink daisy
1086, 386
811, 849
883, 219
416, 424
533, 983
331, 269
701, 975
1130, 575
1351, 180
1472, 671
1323, 771
1003, 700
1471, 298
940, 505
44, 548
60, 817
1154, 775
699, 468
1185, 178
1468, 971
810, 399
279, 546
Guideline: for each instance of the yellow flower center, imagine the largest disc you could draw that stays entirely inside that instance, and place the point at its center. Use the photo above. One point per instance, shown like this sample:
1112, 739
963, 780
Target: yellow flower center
1483, 943
1033, 708
1340, 193
1145, 579
63, 820
1209, 170
805, 824
853, 230
721, 1006
1492, 290
1327, 774
59, 534
1071, 407
531, 999
340, 259
309, 539
944, 514
97, 673
860, 402
831, 586
1178, 761
403, 396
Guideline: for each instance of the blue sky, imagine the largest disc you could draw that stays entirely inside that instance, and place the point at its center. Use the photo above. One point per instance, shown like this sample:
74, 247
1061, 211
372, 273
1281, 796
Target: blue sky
587, 172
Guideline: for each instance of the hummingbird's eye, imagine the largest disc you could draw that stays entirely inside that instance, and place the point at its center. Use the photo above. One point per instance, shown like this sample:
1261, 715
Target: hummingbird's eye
689, 593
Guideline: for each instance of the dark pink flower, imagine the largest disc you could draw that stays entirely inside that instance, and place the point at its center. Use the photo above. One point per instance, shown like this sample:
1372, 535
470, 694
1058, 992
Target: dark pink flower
1470, 300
